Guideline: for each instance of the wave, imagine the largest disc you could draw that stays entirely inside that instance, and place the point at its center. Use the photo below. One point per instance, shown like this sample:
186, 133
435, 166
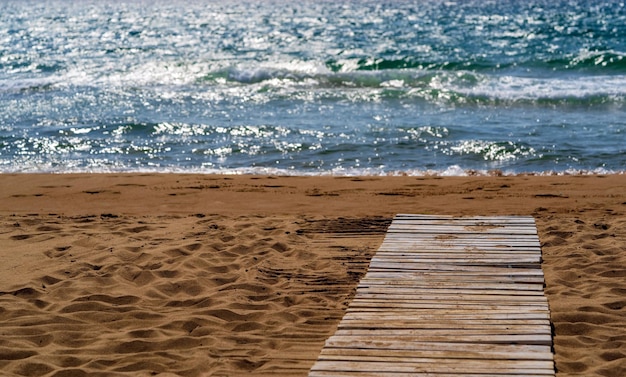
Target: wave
440, 86
604, 62
586, 61
587, 79
103, 166
382, 64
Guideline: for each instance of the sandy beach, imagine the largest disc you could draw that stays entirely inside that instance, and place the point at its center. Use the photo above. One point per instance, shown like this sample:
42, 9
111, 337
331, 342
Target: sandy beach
209, 275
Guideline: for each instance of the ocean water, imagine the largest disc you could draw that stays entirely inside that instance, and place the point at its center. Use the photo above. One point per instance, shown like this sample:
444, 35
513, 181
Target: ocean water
313, 87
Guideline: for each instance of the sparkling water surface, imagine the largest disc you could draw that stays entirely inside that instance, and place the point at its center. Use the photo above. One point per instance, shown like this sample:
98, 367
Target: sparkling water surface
313, 87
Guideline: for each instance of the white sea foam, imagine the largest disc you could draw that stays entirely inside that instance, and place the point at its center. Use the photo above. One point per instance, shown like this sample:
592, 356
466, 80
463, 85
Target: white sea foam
536, 88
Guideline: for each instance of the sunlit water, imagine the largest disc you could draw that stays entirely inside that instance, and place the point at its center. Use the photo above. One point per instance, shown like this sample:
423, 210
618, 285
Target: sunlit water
313, 87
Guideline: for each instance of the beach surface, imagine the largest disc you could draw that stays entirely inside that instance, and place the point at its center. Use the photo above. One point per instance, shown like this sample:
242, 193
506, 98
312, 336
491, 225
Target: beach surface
209, 275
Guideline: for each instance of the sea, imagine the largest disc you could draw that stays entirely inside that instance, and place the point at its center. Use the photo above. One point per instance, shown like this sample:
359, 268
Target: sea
313, 87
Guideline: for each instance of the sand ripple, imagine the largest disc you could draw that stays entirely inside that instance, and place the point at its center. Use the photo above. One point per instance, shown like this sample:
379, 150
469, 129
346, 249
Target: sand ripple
189, 296
584, 263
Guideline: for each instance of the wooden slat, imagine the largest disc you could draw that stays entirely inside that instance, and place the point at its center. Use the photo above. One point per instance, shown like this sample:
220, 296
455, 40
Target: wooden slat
443, 291
538, 339
411, 374
486, 270
451, 252
508, 351
436, 366
442, 315
443, 328
379, 306
408, 357
454, 276
465, 232
428, 284
444, 297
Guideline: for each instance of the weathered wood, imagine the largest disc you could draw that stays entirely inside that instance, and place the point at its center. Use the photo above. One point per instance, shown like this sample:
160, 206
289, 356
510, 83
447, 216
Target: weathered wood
465, 232
408, 358
455, 276
467, 241
447, 297
436, 366
458, 261
323, 373
417, 336
432, 315
485, 270
446, 291
461, 327
456, 253
508, 351
422, 284
408, 302
437, 309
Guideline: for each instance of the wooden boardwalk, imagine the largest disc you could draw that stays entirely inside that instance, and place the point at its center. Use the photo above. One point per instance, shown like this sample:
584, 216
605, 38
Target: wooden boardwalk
447, 296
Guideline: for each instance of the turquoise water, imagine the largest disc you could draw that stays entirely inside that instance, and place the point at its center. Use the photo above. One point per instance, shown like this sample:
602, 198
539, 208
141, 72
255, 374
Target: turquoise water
313, 87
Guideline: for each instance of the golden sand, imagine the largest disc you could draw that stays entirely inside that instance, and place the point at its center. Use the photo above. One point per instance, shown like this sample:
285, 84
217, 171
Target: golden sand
204, 275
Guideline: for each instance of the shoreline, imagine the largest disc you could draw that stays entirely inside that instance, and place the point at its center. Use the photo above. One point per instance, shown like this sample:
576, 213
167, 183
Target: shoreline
195, 274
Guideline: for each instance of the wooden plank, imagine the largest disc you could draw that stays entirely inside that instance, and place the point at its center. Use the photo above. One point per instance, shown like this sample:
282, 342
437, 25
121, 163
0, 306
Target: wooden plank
457, 298
473, 219
452, 252
439, 307
406, 303
468, 365
456, 315
428, 240
443, 267
436, 307
441, 232
323, 373
452, 233
431, 240
518, 326
509, 351
417, 336
416, 244
465, 366
459, 327
417, 358
404, 251
446, 291
449, 319
511, 246
463, 228
515, 233
471, 261
446, 276
476, 221
434, 237
454, 257
410, 249
471, 239
422, 284
459, 317
426, 273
